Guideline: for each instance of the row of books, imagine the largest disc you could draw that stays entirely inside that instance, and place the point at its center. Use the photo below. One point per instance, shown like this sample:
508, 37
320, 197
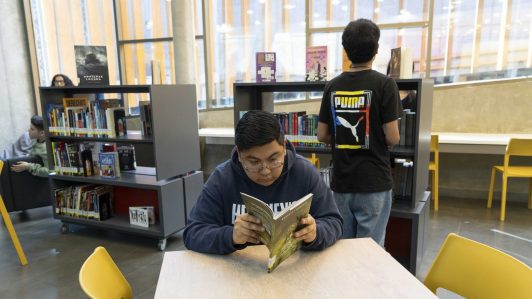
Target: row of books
83, 118
84, 201
407, 128
402, 173
300, 128
92, 158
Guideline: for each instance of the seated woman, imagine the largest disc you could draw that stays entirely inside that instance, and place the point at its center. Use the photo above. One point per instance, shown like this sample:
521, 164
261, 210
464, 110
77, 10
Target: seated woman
60, 80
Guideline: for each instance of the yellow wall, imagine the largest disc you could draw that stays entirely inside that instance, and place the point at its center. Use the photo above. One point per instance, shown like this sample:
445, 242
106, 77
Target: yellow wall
484, 107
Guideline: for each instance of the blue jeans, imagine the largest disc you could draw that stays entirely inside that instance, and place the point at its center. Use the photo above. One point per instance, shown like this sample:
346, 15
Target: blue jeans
365, 214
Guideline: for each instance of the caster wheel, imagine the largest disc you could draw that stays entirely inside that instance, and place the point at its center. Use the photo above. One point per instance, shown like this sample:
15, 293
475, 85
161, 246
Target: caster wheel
64, 228
162, 244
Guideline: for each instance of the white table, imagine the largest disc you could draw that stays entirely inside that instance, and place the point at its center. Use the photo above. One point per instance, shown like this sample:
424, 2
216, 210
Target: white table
354, 268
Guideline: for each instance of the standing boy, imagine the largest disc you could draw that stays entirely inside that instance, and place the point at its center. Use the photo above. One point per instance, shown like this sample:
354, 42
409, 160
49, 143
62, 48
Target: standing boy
358, 117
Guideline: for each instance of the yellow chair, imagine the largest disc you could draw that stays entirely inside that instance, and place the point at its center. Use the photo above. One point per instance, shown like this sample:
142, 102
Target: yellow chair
433, 167
475, 270
516, 147
314, 160
10, 228
100, 278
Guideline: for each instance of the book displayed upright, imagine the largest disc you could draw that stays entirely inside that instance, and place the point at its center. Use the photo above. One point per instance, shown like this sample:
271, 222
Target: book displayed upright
91, 65
401, 63
265, 66
116, 121
109, 166
316, 63
278, 235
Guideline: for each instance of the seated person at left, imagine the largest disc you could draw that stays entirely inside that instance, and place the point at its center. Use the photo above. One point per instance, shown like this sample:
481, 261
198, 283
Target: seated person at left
36, 133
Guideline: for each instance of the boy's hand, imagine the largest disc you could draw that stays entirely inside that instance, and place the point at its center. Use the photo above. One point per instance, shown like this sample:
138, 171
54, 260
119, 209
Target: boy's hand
20, 166
308, 233
246, 229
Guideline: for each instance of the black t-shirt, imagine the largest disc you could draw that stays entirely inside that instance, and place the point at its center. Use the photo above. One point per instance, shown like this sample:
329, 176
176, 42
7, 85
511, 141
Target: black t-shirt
360, 103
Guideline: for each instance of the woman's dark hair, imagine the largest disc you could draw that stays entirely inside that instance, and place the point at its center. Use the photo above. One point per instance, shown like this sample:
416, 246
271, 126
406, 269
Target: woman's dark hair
257, 128
361, 40
67, 80
37, 121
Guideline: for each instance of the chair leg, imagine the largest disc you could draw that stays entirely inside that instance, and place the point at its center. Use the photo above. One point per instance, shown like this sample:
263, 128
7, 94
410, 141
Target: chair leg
12, 233
503, 196
530, 194
435, 188
492, 182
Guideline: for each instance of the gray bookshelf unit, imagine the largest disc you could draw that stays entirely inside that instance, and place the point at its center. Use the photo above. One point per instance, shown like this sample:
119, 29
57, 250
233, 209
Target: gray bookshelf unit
405, 235
168, 161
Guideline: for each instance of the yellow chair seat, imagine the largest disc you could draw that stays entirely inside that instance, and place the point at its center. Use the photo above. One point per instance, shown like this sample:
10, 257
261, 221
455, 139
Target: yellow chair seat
475, 270
516, 171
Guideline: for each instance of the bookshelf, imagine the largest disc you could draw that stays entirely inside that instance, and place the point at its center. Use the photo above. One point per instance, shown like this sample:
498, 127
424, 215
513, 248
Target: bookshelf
167, 175
405, 235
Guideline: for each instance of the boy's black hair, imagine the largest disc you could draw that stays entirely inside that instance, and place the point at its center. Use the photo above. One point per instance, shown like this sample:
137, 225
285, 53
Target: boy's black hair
257, 128
37, 121
361, 40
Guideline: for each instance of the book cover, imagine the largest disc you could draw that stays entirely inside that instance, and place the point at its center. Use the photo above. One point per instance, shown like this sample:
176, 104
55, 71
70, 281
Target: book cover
87, 162
116, 121
278, 235
265, 66
126, 157
401, 63
141, 216
91, 65
109, 167
316, 63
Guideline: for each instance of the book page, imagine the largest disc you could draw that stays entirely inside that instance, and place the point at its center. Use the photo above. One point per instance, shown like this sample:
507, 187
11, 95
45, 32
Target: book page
261, 210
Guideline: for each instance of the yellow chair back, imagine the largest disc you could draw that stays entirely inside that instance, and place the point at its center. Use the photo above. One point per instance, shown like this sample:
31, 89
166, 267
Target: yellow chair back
434, 141
100, 278
314, 160
475, 270
519, 147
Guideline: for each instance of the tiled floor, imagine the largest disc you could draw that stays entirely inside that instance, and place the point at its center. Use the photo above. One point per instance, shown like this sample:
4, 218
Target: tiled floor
55, 258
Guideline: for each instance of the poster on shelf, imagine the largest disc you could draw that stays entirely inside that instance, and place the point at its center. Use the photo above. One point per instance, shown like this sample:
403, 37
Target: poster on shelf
91, 65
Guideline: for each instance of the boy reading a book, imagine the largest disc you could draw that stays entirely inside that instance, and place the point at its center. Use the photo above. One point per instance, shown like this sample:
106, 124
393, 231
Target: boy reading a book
358, 117
36, 133
264, 165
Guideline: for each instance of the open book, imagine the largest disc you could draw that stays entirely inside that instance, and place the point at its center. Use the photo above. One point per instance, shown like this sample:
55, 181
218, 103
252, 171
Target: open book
279, 228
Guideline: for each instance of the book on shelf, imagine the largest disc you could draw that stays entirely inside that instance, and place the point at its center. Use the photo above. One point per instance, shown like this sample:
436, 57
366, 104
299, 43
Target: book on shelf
316, 63
116, 121
402, 174
265, 66
109, 165
126, 157
145, 117
278, 235
91, 65
401, 63
141, 216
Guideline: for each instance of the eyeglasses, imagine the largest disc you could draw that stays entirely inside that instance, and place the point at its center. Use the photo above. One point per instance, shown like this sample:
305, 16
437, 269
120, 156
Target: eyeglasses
258, 166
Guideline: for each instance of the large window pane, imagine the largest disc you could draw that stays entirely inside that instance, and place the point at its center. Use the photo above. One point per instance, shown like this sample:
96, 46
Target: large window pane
59, 25
145, 19
242, 28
